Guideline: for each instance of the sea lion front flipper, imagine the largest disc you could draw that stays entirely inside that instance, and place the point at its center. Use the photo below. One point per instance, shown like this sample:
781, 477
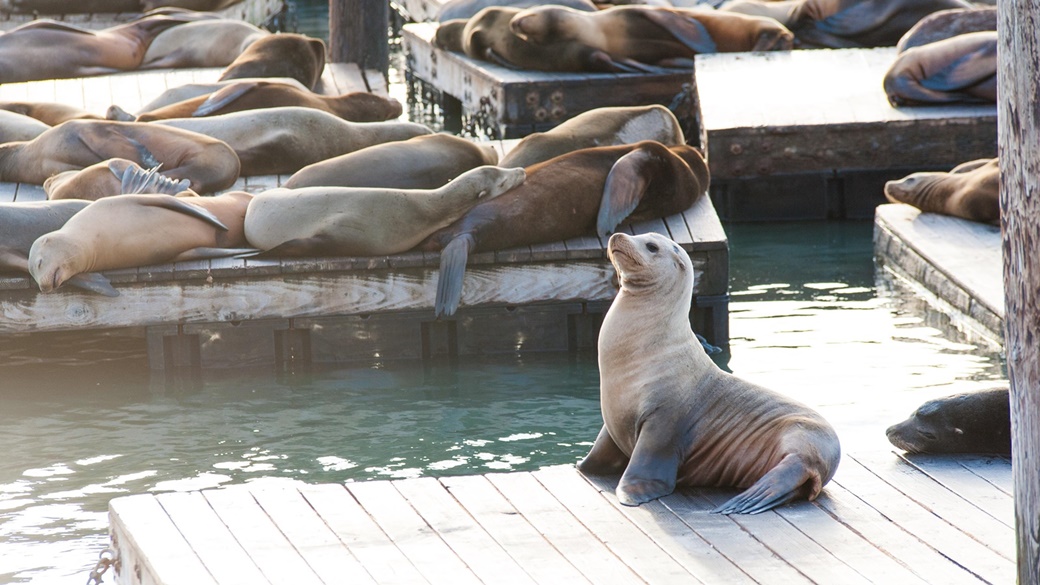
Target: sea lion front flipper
687, 30
626, 183
224, 96
605, 457
180, 206
778, 486
14, 260
453, 268
967, 167
491, 56
652, 469
93, 282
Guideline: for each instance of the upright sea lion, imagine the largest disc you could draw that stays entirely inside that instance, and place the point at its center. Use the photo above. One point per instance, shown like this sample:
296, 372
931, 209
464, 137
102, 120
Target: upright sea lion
206, 43
137, 230
970, 191
958, 69
209, 164
18, 127
284, 140
358, 106
598, 127
974, 422
423, 162
948, 23
50, 113
463, 9
345, 221
21, 223
280, 55
672, 417
115, 176
581, 193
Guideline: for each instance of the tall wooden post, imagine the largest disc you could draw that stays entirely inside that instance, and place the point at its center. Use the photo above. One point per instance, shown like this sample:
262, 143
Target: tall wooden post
1018, 115
359, 33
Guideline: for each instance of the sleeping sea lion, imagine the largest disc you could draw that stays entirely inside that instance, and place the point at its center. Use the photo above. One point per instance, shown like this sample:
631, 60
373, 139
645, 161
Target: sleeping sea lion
206, 43
115, 176
66, 7
50, 113
280, 55
970, 191
840, 24
423, 162
672, 417
948, 23
188, 91
22, 223
599, 127
209, 164
463, 9
345, 221
974, 422
284, 140
124, 231
19, 128
958, 69
358, 106
585, 192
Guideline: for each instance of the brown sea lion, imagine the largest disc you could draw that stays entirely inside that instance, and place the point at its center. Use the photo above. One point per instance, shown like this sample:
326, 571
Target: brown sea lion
423, 162
67, 7
115, 176
188, 91
463, 9
200, 5
206, 43
50, 113
21, 223
138, 230
599, 127
358, 221
948, 23
18, 128
840, 24
672, 417
209, 164
284, 140
358, 106
45, 49
280, 55
581, 193
973, 422
958, 69
970, 191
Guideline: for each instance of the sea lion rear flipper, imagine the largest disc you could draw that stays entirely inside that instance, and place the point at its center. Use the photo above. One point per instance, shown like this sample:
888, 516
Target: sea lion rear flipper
687, 30
652, 469
605, 457
135, 180
778, 486
180, 206
93, 282
626, 183
204, 253
224, 96
453, 268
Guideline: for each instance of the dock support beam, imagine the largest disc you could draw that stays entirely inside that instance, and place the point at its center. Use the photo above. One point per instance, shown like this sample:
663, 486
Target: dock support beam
359, 33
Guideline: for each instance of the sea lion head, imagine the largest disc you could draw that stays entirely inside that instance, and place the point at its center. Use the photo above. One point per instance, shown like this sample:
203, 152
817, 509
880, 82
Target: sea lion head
652, 264
489, 181
911, 188
974, 422
52, 260
449, 35
543, 24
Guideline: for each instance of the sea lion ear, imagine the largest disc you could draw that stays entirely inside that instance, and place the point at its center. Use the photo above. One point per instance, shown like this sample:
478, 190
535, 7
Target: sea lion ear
483, 193
958, 431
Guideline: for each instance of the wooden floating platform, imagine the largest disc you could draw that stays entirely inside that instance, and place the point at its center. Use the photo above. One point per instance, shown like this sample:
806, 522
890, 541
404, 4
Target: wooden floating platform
252, 11
810, 134
522, 102
957, 260
883, 519
228, 312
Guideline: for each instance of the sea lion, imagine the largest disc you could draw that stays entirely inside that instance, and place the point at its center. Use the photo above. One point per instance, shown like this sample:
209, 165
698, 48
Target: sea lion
21, 223
50, 113
45, 49
115, 176
672, 417
124, 231
280, 55
209, 164
423, 162
66, 7
206, 43
948, 23
974, 422
599, 127
970, 191
585, 192
345, 221
19, 128
840, 24
284, 140
358, 106
463, 9
188, 91
958, 69
198, 5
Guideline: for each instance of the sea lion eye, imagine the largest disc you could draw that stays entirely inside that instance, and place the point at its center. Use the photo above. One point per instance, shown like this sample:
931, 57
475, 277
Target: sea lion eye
652, 247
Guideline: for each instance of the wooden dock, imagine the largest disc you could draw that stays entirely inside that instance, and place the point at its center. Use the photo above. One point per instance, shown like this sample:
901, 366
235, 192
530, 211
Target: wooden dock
296, 311
883, 519
810, 134
957, 260
252, 11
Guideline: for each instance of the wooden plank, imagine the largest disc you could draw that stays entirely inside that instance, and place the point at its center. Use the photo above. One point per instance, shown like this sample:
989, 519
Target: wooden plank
949, 472
8, 191
471, 543
420, 543
656, 226
258, 535
210, 538
345, 517
995, 470
511, 530
574, 541
27, 192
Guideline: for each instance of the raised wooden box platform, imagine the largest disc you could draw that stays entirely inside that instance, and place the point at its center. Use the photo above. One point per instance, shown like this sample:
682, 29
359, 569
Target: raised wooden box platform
522, 102
810, 134
957, 260
252, 11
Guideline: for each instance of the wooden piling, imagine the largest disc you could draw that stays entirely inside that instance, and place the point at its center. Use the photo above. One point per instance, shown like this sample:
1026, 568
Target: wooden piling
358, 33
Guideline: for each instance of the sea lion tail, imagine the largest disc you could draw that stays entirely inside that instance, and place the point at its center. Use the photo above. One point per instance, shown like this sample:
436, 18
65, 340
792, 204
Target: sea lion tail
453, 268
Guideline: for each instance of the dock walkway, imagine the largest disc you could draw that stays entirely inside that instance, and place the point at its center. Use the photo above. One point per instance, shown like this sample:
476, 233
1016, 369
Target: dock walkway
883, 519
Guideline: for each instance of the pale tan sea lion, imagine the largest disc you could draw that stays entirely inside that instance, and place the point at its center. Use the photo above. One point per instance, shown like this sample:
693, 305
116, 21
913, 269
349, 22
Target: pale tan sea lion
54, 7
50, 113
958, 69
115, 176
423, 162
970, 191
281, 55
672, 417
344, 221
19, 128
948, 23
598, 127
284, 140
206, 43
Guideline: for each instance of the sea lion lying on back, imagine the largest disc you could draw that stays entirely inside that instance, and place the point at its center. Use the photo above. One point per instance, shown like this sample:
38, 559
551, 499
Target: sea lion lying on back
970, 191
948, 23
960, 69
281, 55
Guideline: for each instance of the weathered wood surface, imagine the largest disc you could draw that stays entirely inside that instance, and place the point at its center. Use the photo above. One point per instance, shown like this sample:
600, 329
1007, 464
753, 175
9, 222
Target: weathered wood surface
251, 11
358, 33
883, 519
418, 10
957, 260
